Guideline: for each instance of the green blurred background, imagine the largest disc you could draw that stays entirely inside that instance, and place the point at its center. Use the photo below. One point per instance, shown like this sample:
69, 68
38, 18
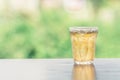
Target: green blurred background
40, 28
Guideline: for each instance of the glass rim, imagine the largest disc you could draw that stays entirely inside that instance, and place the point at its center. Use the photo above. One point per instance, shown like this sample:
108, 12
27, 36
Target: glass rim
83, 29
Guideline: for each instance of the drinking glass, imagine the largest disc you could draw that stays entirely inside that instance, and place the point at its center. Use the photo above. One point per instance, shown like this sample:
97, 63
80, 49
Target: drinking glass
83, 41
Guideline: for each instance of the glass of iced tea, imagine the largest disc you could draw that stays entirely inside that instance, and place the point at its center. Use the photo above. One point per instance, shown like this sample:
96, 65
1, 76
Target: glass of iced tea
83, 44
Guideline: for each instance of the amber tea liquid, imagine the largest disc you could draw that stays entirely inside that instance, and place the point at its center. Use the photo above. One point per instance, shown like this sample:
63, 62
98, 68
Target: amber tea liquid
83, 44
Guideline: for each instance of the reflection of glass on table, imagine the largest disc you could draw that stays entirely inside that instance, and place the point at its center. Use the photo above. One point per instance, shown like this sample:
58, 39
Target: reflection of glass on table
84, 72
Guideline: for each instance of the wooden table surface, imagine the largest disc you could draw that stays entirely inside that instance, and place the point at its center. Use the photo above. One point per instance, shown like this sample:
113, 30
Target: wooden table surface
58, 69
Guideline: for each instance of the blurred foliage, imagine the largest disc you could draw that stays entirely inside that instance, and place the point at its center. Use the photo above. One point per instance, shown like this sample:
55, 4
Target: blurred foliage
47, 34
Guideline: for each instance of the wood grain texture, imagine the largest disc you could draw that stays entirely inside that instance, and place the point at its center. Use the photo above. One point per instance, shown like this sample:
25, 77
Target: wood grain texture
57, 69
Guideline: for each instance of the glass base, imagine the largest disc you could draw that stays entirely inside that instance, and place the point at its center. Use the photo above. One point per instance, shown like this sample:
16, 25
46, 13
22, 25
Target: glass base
86, 62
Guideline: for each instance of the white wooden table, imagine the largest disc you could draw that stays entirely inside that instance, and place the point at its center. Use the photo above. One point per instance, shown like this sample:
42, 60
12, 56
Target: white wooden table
57, 69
